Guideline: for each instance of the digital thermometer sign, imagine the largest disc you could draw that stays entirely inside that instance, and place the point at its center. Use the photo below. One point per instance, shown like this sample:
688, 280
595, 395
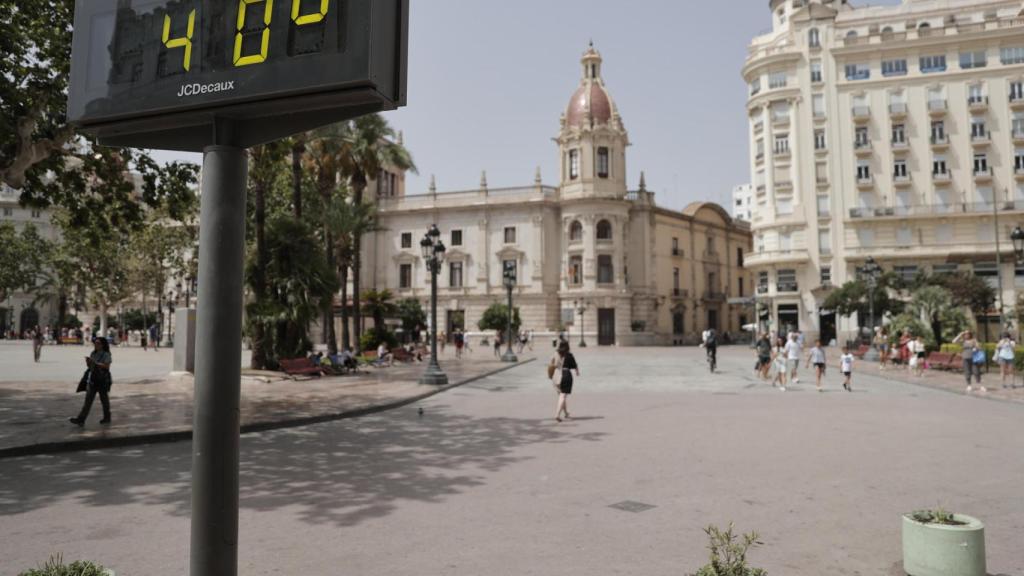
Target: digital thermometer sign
182, 74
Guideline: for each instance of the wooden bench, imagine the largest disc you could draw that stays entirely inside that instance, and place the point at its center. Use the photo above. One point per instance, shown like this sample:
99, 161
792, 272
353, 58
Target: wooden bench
861, 351
69, 340
938, 360
403, 355
299, 367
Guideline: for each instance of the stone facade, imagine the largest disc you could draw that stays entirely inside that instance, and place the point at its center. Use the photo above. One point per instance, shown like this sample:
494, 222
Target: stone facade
895, 132
647, 275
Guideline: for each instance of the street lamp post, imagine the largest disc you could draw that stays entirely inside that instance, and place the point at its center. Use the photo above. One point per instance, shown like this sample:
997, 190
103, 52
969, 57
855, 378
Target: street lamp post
433, 255
871, 273
509, 277
1017, 237
581, 307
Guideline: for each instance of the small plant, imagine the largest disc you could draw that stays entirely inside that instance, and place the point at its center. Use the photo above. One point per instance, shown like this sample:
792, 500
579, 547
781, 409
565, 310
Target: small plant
729, 553
55, 567
936, 516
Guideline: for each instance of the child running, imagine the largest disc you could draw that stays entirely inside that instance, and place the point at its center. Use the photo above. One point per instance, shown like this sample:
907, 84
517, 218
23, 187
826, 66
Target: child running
779, 361
846, 367
817, 357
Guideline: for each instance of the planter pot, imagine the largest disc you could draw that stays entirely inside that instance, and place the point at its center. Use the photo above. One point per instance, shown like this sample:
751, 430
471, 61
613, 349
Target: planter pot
940, 550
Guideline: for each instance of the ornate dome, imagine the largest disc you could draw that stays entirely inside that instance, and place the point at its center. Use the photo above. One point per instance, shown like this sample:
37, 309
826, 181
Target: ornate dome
591, 104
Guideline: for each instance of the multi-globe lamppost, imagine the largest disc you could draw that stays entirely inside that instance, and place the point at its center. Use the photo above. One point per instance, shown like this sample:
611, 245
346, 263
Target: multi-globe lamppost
581, 307
433, 255
871, 272
509, 278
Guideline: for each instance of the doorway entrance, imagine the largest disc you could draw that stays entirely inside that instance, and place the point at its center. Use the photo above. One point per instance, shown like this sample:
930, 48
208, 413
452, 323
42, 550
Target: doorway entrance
827, 321
606, 327
789, 318
713, 320
456, 320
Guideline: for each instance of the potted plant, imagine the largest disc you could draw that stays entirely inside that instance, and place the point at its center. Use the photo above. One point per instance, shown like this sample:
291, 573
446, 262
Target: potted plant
940, 543
55, 566
729, 553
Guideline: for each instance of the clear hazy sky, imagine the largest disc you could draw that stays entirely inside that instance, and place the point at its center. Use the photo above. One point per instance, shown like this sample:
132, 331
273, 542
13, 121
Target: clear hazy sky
488, 80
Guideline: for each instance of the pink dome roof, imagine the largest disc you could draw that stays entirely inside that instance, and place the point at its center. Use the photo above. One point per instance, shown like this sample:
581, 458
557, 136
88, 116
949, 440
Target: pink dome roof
590, 104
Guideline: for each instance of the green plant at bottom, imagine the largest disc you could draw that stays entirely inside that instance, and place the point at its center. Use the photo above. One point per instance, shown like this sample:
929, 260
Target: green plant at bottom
55, 567
936, 516
729, 553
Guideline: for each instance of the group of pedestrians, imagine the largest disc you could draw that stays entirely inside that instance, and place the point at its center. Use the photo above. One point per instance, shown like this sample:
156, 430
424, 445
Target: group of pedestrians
778, 360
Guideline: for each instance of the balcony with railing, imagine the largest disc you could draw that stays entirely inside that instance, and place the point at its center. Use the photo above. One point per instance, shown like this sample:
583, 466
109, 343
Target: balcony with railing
772, 257
714, 296
932, 210
937, 107
981, 138
900, 145
680, 293
901, 180
862, 147
897, 109
982, 174
784, 186
1018, 172
787, 287
494, 196
941, 176
861, 113
1017, 100
762, 289
865, 181
977, 103
939, 141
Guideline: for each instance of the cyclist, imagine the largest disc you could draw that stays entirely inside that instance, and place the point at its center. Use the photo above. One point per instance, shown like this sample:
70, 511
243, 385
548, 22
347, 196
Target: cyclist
710, 343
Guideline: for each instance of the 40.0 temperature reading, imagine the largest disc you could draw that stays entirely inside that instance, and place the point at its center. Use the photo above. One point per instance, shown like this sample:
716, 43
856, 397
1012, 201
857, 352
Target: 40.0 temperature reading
246, 30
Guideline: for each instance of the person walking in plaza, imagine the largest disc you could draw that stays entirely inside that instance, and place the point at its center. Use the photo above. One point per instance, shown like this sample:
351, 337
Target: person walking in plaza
144, 339
1006, 352
917, 350
154, 337
779, 365
37, 344
460, 342
562, 365
497, 344
817, 358
971, 353
904, 349
846, 367
793, 352
442, 339
96, 381
882, 345
764, 356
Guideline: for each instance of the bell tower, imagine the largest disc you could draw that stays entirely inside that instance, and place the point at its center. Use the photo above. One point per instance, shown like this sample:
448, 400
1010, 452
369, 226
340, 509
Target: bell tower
592, 142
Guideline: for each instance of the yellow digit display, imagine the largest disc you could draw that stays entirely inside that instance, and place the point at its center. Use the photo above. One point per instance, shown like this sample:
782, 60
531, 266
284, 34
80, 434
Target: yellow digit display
304, 19
185, 42
268, 13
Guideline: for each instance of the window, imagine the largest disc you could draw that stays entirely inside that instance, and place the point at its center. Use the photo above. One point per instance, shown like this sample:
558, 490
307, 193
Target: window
825, 241
762, 282
814, 38
740, 286
938, 131
816, 71
980, 163
1018, 124
858, 72
824, 206
406, 240
939, 164
1018, 160
739, 257
978, 131
574, 164
576, 231
675, 247
512, 265
988, 270
510, 235
894, 67
1016, 91
821, 173
866, 237
863, 170
755, 87
819, 140
8, 212
604, 230
904, 236
899, 168
986, 195
974, 59
36, 213
783, 206
777, 80
456, 237
575, 270
711, 244
760, 149
1012, 55
678, 323
780, 112
787, 281
405, 276
944, 235
940, 269
785, 241
899, 134
602, 162
818, 105
676, 286
605, 271
826, 275
781, 144
455, 274
861, 139
906, 273
931, 64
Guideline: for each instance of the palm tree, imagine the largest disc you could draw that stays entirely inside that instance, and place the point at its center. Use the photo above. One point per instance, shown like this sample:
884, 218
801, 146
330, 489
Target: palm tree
380, 304
264, 167
348, 221
298, 148
369, 148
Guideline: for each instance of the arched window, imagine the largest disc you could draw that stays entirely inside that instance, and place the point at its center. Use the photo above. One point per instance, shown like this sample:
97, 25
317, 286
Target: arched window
851, 34
576, 231
604, 230
813, 38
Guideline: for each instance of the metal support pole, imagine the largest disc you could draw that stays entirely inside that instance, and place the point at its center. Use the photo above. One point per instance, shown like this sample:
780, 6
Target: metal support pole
433, 375
509, 355
999, 267
872, 353
583, 331
214, 547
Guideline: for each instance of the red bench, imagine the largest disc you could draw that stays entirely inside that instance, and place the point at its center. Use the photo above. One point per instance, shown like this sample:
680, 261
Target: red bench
861, 351
299, 367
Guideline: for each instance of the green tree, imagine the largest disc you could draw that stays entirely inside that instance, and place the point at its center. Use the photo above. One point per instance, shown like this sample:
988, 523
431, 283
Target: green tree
370, 146
971, 292
21, 258
929, 303
380, 305
348, 221
496, 318
853, 298
412, 314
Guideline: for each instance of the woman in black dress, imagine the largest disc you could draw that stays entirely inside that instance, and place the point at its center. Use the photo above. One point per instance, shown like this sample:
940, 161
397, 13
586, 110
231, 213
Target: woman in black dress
563, 364
97, 382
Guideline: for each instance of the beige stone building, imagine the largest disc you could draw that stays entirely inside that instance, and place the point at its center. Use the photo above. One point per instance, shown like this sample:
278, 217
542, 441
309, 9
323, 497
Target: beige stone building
893, 132
648, 275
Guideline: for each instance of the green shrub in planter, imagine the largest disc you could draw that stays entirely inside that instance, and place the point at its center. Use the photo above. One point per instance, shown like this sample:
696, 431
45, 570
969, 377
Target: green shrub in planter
729, 553
372, 338
55, 567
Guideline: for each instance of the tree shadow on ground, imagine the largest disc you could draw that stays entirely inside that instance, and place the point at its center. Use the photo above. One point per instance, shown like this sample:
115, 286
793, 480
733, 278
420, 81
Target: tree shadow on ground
338, 473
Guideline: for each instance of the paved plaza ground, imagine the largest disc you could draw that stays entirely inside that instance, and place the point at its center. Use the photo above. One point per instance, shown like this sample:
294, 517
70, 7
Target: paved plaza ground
486, 482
